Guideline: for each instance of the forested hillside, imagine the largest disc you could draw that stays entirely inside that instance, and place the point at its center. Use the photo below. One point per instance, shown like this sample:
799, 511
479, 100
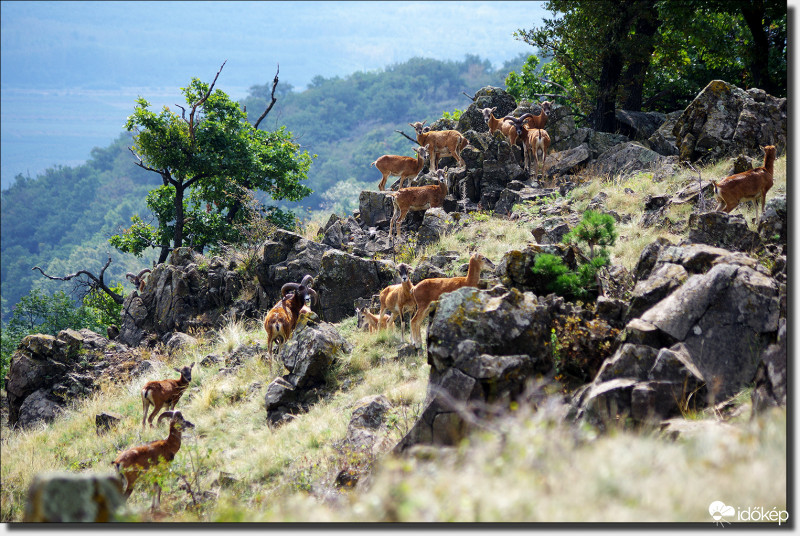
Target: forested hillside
350, 122
61, 220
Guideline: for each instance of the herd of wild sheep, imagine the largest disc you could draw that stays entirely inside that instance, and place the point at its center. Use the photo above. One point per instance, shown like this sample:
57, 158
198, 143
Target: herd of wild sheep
404, 297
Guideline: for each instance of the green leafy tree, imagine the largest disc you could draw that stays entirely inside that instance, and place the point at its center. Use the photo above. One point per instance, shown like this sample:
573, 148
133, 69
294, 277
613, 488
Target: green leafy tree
656, 54
209, 150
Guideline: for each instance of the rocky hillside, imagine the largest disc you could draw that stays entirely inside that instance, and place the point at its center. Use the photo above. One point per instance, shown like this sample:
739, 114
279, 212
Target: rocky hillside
684, 341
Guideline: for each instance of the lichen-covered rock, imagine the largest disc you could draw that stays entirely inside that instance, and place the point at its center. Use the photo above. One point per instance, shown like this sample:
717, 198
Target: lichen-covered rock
626, 158
772, 227
771, 378
482, 347
73, 498
375, 208
568, 161
724, 120
308, 355
661, 281
662, 140
729, 231
181, 295
46, 373
344, 277
722, 317
435, 224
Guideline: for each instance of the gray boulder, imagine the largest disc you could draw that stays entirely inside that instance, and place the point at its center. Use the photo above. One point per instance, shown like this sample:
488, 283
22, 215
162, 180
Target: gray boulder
772, 227
660, 282
308, 355
375, 208
771, 376
724, 120
482, 347
638, 126
626, 158
662, 140
182, 295
508, 198
46, 373
729, 231
721, 316
486, 97
344, 277
73, 498
569, 161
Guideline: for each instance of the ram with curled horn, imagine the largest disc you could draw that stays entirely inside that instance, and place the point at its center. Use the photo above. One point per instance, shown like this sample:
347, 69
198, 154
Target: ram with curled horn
281, 320
138, 280
307, 282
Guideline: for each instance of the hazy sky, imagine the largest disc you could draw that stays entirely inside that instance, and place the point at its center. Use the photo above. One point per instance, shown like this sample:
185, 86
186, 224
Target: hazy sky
71, 70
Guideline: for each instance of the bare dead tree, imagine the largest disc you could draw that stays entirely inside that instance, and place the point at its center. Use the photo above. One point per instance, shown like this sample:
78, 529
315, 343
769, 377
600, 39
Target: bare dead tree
87, 285
701, 200
272, 96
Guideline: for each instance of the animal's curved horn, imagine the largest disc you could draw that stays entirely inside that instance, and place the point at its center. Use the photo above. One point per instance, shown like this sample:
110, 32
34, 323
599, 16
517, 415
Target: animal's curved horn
307, 281
288, 287
130, 276
146, 270
511, 118
524, 116
169, 414
313, 294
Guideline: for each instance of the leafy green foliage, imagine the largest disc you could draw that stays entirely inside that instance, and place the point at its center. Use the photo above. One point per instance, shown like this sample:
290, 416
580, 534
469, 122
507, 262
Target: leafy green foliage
649, 54
595, 229
208, 156
455, 116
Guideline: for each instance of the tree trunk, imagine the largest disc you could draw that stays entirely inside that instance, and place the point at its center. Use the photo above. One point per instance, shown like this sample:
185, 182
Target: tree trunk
178, 236
647, 25
754, 14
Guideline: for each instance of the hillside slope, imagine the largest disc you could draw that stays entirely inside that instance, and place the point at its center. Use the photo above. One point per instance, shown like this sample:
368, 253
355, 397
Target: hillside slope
527, 464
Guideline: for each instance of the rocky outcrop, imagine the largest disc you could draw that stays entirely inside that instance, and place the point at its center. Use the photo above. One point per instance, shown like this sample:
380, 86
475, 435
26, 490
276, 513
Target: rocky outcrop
184, 294
711, 326
344, 277
47, 373
729, 231
770, 381
638, 126
308, 355
724, 120
73, 498
482, 346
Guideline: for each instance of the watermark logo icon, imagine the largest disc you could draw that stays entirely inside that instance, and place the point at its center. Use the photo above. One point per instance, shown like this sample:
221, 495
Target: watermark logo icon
719, 510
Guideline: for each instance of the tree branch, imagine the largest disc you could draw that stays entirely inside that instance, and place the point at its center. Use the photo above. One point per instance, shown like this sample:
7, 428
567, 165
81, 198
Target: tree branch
407, 136
201, 101
97, 281
272, 95
470, 98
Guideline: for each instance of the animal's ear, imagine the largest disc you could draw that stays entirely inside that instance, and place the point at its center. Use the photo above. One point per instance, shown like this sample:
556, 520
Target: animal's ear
177, 370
